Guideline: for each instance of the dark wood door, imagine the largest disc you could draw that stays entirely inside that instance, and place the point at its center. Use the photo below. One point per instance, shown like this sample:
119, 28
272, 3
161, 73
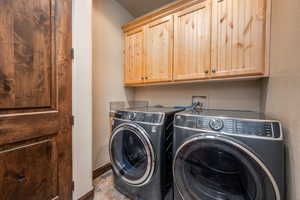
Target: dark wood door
35, 100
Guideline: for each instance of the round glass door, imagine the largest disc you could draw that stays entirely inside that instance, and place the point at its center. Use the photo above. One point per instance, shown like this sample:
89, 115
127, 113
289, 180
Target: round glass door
216, 168
131, 154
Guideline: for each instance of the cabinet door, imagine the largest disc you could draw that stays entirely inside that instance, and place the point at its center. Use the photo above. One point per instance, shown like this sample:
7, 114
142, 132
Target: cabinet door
28, 171
238, 37
159, 50
134, 58
192, 42
35, 99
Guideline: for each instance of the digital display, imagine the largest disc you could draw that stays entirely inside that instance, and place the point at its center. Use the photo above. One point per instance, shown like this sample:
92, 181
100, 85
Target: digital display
254, 128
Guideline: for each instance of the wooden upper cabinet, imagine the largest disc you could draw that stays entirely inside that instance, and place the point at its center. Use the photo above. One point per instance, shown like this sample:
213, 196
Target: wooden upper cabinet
134, 58
159, 50
192, 27
238, 37
196, 40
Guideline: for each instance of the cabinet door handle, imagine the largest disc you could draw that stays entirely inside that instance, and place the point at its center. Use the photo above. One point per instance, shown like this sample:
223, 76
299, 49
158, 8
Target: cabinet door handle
206, 71
146, 78
214, 71
142, 78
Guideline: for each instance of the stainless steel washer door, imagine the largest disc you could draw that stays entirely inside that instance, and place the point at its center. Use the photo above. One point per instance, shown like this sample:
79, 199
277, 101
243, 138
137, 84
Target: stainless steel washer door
132, 154
217, 168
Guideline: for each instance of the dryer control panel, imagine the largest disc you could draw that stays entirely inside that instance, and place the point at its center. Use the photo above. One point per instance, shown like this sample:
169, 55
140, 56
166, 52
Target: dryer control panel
246, 127
151, 118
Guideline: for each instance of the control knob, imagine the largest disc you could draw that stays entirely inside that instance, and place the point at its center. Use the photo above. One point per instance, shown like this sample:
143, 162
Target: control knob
132, 116
216, 124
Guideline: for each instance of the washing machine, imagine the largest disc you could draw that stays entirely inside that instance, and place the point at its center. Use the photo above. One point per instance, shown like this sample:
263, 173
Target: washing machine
227, 155
141, 152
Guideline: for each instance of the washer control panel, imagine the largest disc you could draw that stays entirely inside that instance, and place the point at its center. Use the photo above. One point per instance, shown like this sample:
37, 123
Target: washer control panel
264, 129
151, 118
258, 128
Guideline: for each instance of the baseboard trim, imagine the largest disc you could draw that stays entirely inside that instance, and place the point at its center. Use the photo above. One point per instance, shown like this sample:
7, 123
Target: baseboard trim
88, 196
101, 170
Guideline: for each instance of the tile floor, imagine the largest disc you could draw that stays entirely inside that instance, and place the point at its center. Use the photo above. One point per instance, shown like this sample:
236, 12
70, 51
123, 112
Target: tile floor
104, 189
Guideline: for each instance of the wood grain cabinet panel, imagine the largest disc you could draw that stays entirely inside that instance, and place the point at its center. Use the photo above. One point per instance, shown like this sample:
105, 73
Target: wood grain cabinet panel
29, 172
35, 100
134, 56
238, 37
192, 42
25, 67
159, 50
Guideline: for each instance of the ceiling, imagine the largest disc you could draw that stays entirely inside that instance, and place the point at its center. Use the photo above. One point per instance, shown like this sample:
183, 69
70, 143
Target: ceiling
141, 7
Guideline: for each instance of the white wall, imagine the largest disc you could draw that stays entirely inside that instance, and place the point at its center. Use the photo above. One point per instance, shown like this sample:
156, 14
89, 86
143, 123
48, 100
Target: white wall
282, 100
108, 17
236, 95
82, 97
